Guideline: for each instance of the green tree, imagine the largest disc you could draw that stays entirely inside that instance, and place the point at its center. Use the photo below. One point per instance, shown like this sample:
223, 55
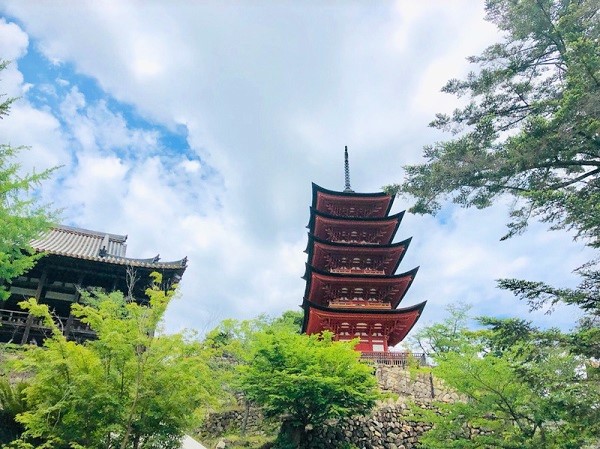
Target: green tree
531, 126
530, 130
130, 388
22, 218
445, 336
306, 380
522, 390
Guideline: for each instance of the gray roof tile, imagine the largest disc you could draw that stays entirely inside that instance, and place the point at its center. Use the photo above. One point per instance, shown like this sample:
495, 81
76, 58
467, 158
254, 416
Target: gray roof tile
93, 245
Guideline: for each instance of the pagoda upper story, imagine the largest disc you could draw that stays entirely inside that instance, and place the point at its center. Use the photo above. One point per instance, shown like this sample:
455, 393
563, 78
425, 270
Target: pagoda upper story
350, 204
351, 286
342, 257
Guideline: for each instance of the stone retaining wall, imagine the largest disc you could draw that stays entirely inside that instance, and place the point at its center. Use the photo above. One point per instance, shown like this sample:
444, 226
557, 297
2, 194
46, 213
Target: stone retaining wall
387, 427
246, 419
417, 385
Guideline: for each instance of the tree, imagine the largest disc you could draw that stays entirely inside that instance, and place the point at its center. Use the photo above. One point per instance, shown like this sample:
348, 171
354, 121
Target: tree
530, 130
306, 380
531, 126
522, 390
22, 218
130, 388
445, 336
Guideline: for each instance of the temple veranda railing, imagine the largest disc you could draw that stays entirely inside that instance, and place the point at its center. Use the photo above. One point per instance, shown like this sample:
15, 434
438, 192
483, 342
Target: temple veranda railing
403, 359
17, 323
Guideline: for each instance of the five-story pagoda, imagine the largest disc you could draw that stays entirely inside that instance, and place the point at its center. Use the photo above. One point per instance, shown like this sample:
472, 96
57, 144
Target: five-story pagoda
351, 286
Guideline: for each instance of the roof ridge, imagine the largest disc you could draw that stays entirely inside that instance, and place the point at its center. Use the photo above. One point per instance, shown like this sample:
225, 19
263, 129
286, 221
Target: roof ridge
76, 230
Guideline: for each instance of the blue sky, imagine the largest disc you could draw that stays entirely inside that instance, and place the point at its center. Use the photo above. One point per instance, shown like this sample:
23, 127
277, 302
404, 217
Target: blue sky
197, 127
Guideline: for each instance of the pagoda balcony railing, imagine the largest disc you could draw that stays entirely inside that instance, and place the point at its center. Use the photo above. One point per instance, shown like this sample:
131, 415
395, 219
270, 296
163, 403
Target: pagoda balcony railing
17, 320
403, 359
357, 270
347, 303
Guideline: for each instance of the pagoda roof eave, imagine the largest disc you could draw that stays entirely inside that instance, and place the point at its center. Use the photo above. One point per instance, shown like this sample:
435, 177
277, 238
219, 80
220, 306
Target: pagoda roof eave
345, 276
317, 188
312, 239
314, 213
396, 219
307, 305
310, 269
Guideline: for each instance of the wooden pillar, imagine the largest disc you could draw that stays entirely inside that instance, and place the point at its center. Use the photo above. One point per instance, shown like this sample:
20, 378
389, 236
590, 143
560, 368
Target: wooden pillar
38, 295
69, 324
114, 285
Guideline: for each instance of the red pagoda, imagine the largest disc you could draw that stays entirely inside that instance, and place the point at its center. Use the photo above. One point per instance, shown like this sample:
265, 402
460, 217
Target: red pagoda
351, 286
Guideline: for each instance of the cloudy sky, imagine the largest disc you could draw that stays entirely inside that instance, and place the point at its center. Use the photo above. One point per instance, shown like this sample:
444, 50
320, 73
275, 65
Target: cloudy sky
197, 128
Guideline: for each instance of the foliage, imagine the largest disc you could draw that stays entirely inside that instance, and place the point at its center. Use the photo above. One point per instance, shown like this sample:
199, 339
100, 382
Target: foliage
233, 338
130, 388
307, 379
531, 126
231, 341
530, 130
445, 336
11, 404
585, 340
523, 389
22, 218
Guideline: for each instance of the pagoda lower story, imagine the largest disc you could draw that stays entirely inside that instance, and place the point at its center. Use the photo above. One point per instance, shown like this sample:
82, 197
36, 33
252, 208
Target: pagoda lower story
351, 289
377, 330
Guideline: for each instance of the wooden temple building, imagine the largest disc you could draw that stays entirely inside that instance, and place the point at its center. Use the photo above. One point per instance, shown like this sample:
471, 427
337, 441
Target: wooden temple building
352, 288
77, 260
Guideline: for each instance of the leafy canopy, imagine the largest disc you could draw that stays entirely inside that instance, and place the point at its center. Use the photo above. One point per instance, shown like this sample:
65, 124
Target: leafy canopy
308, 379
531, 125
22, 218
530, 130
130, 388
522, 389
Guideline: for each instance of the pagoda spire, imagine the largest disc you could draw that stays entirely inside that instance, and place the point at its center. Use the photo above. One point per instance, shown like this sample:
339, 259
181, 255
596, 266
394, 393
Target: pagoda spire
347, 188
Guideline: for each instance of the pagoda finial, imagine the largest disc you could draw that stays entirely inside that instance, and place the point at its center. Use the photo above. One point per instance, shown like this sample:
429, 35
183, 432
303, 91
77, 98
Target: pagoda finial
347, 171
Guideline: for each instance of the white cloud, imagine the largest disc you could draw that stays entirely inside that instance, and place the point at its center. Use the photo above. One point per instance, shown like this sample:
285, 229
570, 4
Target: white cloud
13, 45
269, 94
13, 40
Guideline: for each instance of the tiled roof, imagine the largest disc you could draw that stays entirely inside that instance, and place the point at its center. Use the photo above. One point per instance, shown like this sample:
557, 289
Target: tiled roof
93, 245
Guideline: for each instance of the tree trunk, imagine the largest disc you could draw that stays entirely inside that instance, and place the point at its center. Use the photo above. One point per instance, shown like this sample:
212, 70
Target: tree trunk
292, 433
